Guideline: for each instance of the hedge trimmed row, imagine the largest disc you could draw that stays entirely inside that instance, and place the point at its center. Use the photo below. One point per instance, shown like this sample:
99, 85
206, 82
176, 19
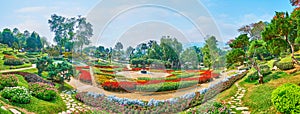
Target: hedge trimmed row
284, 65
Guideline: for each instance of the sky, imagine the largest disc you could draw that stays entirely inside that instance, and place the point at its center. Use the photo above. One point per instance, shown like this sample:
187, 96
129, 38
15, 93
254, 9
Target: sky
136, 21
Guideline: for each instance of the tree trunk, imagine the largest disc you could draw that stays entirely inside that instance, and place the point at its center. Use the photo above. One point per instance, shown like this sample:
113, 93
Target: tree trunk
261, 77
292, 50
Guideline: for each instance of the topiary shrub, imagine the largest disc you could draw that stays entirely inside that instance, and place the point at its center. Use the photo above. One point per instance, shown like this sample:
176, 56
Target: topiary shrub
43, 91
8, 81
284, 65
286, 98
13, 62
8, 52
19, 95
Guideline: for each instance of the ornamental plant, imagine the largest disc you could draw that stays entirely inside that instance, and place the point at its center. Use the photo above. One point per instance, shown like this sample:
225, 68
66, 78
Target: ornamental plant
18, 94
43, 91
286, 98
8, 81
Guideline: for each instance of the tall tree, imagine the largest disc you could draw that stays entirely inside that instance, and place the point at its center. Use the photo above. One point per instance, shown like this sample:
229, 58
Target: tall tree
31, 42
295, 2
62, 28
282, 26
8, 37
84, 32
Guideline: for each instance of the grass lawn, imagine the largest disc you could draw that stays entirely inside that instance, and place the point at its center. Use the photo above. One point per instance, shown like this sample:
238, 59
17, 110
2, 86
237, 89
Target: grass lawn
258, 97
225, 95
37, 105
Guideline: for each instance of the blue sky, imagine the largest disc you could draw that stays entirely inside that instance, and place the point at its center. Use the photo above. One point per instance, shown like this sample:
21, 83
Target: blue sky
221, 18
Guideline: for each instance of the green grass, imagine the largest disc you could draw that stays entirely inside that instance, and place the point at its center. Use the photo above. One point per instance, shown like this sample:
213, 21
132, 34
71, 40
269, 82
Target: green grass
225, 95
37, 105
258, 97
22, 81
41, 107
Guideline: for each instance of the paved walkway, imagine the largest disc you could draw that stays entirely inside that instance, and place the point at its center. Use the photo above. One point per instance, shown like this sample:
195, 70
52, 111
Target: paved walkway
20, 69
81, 87
236, 101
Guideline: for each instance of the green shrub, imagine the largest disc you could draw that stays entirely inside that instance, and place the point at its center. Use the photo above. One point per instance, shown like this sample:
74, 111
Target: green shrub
21, 56
265, 69
7, 52
286, 98
284, 65
16, 94
166, 86
33, 60
13, 62
8, 81
43, 91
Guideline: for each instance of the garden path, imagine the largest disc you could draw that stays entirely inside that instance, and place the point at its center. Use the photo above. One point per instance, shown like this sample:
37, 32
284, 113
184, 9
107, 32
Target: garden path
13, 109
236, 101
81, 87
13, 70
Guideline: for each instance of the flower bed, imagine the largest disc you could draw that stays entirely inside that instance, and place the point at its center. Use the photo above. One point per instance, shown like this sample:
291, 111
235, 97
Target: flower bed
43, 91
84, 76
29, 77
19, 95
8, 81
114, 104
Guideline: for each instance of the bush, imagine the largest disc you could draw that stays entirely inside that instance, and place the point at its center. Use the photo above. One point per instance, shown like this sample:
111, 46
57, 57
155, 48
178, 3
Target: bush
16, 94
43, 91
33, 60
31, 78
284, 65
13, 62
286, 98
8, 81
166, 86
265, 69
21, 56
7, 52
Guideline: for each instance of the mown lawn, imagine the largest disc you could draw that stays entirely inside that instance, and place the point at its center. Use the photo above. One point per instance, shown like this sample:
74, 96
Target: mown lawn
258, 97
36, 105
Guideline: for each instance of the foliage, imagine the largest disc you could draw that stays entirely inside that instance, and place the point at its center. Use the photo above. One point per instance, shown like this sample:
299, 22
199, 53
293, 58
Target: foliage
60, 71
13, 62
189, 58
8, 81
30, 77
17, 94
284, 65
167, 86
286, 98
43, 91
42, 64
234, 56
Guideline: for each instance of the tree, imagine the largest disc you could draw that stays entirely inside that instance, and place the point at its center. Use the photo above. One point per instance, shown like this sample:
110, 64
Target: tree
210, 52
84, 32
62, 28
234, 56
284, 27
15, 46
31, 42
39, 44
7, 37
44, 42
171, 49
189, 58
42, 64
60, 72
155, 51
253, 30
129, 51
295, 2
119, 46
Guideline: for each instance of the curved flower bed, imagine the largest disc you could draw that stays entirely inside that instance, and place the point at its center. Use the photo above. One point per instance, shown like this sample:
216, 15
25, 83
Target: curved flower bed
115, 104
31, 78
163, 84
85, 76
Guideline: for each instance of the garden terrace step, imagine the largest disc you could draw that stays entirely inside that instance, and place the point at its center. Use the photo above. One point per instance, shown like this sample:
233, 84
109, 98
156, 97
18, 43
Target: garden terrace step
2, 107
14, 111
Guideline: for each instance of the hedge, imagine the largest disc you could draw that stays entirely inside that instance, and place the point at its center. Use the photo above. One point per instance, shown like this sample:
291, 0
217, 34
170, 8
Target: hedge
284, 65
286, 99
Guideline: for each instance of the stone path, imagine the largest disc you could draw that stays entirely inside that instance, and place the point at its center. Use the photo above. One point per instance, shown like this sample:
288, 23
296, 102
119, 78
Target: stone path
72, 105
13, 70
13, 109
236, 102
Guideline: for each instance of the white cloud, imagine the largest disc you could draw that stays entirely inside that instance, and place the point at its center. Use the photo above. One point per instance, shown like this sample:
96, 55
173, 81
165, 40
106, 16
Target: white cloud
31, 9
